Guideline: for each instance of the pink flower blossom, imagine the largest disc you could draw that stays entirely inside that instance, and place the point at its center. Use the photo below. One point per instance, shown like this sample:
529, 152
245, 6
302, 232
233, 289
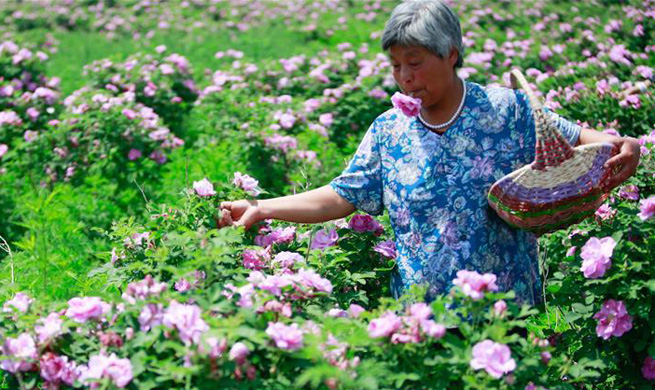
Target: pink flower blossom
324, 238
187, 320
596, 255
288, 259
630, 192
310, 279
275, 283
49, 327
86, 308
326, 119
151, 315
33, 113
30, 135
433, 329
500, 307
182, 285
474, 284
133, 154
22, 349
646, 208
289, 337
239, 352
204, 188
20, 302
386, 249
255, 259
571, 251
158, 157
494, 357
645, 71
246, 183
420, 311
355, 310
365, 223
408, 105
613, 319
605, 211
618, 54
102, 366
3, 149
55, 369
384, 326
648, 369
277, 236
143, 289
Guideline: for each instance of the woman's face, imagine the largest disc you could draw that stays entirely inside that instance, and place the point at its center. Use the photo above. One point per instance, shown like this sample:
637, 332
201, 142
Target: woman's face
422, 74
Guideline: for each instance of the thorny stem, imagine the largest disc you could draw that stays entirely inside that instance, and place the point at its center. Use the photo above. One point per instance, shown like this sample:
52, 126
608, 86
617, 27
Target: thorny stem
5, 247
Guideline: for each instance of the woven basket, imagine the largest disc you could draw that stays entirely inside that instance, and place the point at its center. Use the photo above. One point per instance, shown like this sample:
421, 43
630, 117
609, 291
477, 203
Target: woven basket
561, 187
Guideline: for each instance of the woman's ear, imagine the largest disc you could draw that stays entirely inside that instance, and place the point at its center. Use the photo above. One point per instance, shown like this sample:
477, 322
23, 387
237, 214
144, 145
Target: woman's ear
453, 57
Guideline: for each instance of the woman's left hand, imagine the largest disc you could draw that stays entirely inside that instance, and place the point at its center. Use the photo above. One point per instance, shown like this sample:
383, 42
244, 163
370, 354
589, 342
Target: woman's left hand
624, 164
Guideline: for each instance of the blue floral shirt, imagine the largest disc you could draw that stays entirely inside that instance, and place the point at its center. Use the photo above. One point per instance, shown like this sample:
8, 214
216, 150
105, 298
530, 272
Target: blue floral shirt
435, 190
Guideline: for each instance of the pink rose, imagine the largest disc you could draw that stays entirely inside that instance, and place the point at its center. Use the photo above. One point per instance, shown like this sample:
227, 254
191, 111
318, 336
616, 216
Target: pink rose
182, 285
288, 259
239, 352
408, 105
86, 308
101, 366
310, 279
49, 327
365, 223
596, 255
3, 149
20, 302
474, 284
134, 154
288, 337
247, 183
630, 192
500, 307
324, 238
355, 310
187, 320
384, 326
605, 212
433, 329
613, 320
494, 357
647, 208
23, 350
256, 260
386, 249
648, 369
204, 188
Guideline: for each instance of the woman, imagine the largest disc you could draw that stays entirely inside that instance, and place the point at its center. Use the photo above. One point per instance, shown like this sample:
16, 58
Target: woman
432, 172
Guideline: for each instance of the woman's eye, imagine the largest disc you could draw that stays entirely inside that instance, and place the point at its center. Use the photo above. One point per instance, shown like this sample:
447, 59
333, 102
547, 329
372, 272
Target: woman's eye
415, 64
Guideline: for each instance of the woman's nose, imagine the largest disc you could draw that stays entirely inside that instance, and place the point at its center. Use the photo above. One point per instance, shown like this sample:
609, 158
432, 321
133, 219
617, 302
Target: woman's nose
406, 76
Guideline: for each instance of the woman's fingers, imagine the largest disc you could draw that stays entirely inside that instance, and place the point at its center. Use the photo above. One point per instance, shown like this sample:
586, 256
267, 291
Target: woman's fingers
226, 205
225, 219
247, 219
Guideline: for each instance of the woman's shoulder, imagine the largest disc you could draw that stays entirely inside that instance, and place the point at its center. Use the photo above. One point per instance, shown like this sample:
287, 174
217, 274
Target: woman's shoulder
392, 118
498, 95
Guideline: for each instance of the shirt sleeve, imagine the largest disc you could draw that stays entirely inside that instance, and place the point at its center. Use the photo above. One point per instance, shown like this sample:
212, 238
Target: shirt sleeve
361, 182
568, 129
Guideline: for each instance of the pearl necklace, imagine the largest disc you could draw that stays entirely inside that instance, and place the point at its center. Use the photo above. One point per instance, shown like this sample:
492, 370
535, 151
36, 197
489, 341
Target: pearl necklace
451, 120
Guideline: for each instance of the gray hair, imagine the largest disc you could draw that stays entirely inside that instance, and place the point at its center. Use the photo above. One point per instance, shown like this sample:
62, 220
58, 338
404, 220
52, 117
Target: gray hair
428, 23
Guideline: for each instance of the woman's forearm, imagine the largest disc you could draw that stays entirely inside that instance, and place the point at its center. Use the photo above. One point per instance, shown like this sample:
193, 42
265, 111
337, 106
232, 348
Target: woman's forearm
319, 205
588, 136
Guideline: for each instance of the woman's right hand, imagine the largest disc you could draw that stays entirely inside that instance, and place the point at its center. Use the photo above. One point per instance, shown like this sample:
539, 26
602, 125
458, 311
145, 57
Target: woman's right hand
239, 213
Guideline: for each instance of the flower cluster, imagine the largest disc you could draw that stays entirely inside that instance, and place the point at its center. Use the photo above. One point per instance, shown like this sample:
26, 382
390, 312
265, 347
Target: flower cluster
410, 328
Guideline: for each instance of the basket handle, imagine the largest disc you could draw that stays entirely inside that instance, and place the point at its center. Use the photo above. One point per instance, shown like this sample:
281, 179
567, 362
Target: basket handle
552, 148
